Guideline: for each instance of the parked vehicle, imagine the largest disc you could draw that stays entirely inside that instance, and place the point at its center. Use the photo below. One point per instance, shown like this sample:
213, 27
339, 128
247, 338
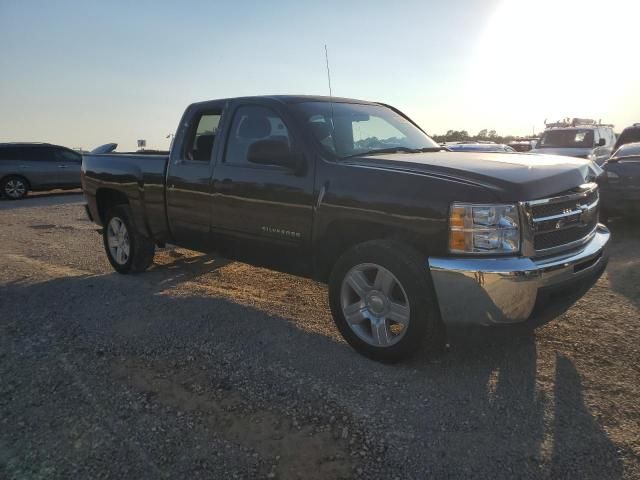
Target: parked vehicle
629, 135
523, 145
578, 137
408, 237
620, 186
479, 147
28, 167
111, 148
106, 148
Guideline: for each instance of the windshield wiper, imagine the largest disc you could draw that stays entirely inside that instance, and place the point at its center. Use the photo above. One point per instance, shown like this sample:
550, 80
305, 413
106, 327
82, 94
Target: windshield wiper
395, 150
434, 149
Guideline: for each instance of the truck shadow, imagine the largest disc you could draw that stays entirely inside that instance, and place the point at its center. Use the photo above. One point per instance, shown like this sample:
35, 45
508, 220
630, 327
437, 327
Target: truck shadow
475, 411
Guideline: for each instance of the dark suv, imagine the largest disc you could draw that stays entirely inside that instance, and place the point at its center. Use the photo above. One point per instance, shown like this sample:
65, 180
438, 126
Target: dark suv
37, 166
629, 135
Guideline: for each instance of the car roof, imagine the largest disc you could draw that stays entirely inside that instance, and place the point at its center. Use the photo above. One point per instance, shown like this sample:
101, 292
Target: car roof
289, 99
28, 144
627, 150
635, 126
577, 127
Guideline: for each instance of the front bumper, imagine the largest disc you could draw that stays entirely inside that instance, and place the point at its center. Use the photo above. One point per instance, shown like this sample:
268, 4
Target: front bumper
490, 291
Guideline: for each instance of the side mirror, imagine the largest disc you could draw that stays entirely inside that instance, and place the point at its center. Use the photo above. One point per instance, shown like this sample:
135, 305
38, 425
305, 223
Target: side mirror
276, 152
601, 142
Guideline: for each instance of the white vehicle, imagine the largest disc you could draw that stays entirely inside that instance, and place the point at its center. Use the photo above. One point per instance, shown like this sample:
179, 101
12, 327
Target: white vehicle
578, 137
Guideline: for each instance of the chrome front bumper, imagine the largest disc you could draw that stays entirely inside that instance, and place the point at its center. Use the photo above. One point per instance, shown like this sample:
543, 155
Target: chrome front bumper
486, 291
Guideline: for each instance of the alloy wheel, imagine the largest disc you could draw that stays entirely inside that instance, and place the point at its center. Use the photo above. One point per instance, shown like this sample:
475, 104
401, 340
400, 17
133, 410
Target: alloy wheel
118, 241
375, 305
15, 188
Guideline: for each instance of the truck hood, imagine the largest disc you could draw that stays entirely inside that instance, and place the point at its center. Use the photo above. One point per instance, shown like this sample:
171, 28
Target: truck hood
569, 152
511, 176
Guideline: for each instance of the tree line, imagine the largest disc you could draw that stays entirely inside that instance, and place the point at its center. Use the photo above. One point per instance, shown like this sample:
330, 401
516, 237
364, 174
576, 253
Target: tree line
484, 135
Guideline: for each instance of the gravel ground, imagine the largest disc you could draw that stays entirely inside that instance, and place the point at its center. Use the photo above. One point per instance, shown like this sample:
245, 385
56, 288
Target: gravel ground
205, 368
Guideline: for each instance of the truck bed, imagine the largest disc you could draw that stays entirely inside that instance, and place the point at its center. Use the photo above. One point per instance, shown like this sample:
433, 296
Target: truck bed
138, 177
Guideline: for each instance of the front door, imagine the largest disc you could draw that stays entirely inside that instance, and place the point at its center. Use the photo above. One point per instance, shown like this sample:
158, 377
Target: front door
68, 164
269, 203
189, 176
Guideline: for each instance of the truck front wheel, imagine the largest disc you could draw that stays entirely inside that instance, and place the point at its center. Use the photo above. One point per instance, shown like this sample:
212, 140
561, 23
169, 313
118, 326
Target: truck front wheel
128, 251
383, 301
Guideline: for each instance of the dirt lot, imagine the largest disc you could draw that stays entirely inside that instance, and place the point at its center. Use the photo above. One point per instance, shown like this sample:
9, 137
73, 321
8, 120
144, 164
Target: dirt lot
204, 368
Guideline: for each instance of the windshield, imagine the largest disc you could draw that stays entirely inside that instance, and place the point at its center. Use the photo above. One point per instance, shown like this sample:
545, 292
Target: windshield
629, 135
566, 139
359, 129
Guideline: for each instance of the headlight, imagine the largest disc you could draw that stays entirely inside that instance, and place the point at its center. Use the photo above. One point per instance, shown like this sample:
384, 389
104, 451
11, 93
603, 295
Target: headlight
484, 229
592, 157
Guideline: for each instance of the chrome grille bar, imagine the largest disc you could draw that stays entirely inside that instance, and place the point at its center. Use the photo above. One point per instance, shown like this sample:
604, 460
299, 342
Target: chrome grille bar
561, 222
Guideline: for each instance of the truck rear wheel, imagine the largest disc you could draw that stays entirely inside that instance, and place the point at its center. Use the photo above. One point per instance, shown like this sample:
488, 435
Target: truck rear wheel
127, 250
383, 301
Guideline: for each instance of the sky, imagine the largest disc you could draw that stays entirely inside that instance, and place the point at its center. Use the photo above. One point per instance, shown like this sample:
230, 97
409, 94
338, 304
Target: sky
85, 73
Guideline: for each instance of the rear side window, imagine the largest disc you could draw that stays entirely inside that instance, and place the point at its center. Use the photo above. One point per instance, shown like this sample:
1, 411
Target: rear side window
8, 153
64, 155
36, 154
27, 153
200, 142
252, 123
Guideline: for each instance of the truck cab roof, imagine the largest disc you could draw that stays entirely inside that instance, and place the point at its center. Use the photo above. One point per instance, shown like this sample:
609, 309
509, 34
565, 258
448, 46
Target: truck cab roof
290, 99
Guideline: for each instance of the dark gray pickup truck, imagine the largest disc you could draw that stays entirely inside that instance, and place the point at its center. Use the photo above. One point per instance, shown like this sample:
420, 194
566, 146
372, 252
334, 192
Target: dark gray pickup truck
410, 238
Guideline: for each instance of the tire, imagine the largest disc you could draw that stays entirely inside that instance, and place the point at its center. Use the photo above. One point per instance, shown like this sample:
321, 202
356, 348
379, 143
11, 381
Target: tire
14, 187
395, 311
127, 250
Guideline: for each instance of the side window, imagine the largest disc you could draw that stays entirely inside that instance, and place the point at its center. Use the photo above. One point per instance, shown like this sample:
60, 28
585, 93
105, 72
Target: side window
63, 155
36, 154
375, 132
6, 153
321, 128
253, 123
199, 144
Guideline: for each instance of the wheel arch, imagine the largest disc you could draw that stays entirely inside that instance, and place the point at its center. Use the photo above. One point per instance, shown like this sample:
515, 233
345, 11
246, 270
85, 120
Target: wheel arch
341, 235
15, 175
107, 198
19, 175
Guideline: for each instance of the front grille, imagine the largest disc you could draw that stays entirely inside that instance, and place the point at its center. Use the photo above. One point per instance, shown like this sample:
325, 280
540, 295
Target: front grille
550, 209
563, 220
555, 238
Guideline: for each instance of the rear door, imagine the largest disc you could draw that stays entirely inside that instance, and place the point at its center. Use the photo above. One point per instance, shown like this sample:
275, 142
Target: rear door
38, 165
268, 203
68, 164
621, 191
190, 166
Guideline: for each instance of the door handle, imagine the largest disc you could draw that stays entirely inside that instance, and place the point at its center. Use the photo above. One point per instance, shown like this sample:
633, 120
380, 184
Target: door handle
63, 166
